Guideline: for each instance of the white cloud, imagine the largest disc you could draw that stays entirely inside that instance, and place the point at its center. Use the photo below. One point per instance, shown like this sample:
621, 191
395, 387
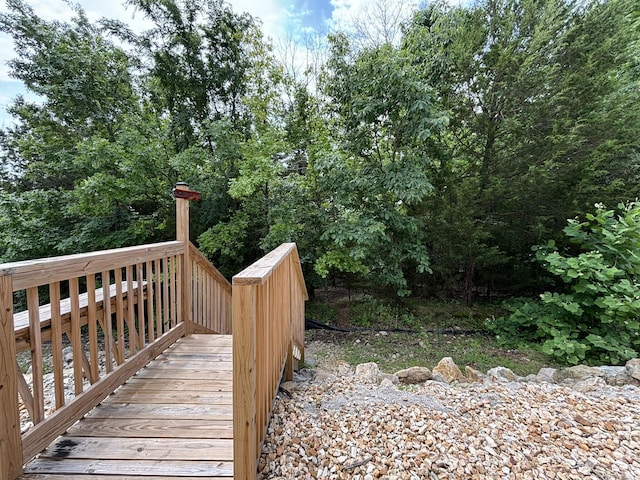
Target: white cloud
272, 14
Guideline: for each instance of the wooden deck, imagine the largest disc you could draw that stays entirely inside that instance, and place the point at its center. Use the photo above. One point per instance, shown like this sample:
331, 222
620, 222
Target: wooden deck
173, 419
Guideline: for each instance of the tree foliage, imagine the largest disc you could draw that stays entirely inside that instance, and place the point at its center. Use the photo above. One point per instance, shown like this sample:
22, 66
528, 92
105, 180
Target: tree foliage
426, 161
595, 316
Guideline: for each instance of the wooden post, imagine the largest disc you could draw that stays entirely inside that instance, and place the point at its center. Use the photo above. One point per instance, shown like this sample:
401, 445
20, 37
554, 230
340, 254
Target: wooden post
245, 450
10, 440
182, 235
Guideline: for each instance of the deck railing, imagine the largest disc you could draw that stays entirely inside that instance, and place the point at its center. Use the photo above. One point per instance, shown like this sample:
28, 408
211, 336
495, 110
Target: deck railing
114, 311
268, 338
108, 313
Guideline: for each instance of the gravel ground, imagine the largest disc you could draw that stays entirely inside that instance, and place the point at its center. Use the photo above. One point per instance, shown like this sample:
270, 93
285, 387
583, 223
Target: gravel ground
338, 426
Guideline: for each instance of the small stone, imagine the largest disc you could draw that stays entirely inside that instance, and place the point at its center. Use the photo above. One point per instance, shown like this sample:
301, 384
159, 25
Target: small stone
387, 383
617, 376
547, 374
589, 384
288, 386
325, 377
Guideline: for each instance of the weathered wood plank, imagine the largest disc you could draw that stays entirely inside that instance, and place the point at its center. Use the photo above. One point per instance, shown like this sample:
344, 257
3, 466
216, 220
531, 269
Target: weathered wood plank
139, 467
151, 411
181, 385
169, 373
181, 427
82, 476
40, 435
152, 428
126, 395
188, 357
192, 364
105, 448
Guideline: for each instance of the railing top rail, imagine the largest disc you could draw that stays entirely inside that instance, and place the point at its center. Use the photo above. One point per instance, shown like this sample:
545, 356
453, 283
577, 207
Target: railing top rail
31, 273
261, 270
198, 256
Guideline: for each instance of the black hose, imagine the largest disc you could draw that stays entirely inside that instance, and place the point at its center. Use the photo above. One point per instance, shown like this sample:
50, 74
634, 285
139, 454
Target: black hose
314, 325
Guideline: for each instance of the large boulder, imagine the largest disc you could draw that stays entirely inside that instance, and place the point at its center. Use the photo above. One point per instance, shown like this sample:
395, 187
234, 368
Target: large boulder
414, 375
448, 371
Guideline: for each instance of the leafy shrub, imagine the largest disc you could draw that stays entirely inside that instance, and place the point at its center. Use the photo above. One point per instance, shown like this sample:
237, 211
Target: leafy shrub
598, 318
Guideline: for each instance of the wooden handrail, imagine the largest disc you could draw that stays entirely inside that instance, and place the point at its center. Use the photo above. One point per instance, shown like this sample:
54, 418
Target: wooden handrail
210, 296
31, 273
268, 326
141, 317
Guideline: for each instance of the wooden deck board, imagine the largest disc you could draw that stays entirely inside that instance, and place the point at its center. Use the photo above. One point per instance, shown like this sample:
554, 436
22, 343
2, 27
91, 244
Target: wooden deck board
165, 422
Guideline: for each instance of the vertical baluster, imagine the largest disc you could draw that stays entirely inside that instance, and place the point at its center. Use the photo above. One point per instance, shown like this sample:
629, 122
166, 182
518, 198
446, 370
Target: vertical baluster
120, 350
195, 293
178, 290
35, 341
150, 292
158, 297
131, 312
76, 334
165, 298
92, 327
56, 343
107, 326
140, 298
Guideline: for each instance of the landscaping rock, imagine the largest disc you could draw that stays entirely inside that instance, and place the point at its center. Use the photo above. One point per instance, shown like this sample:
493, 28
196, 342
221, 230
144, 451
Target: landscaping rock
588, 384
323, 376
578, 373
414, 375
633, 368
448, 371
368, 373
548, 375
492, 430
473, 375
615, 375
502, 373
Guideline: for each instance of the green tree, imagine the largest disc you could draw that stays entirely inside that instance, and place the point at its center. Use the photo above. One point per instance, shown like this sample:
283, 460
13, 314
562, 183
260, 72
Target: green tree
383, 119
539, 95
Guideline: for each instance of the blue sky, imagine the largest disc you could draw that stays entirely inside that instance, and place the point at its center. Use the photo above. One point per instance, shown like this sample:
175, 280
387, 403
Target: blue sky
280, 19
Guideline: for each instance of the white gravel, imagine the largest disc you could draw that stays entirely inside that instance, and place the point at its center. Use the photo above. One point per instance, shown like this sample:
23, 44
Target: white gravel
339, 427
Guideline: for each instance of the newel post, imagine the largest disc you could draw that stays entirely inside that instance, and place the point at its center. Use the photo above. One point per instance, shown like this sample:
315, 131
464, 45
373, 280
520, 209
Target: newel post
245, 442
183, 195
10, 439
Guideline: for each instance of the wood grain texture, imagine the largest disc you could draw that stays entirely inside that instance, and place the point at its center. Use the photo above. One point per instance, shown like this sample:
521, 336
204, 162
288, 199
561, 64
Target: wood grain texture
159, 423
32, 273
39, 436
10, 444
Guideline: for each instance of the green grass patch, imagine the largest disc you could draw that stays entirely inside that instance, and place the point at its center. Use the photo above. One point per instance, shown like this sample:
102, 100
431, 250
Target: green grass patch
374, 341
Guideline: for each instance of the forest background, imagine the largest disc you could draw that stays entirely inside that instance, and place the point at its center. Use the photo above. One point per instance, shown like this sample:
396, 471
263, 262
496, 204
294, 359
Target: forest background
437, 155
